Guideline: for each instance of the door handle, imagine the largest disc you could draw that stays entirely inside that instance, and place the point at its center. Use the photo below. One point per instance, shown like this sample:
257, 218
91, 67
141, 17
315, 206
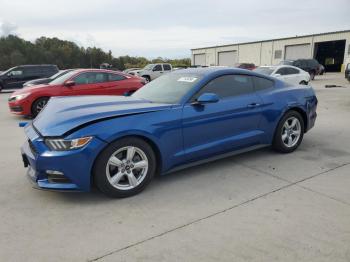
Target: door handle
253, 105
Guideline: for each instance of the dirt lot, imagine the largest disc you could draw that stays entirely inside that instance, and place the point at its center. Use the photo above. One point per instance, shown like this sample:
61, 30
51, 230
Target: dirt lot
260, 206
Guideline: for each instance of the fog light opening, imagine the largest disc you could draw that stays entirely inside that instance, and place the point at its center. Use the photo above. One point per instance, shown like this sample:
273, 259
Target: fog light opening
54, 172
54, 176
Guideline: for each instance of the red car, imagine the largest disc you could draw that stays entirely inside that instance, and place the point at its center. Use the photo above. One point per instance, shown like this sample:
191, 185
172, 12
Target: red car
29, 101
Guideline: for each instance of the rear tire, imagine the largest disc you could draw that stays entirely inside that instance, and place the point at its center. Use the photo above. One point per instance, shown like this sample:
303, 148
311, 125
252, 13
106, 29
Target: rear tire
312, 75
39, 105
289, 132
124, 168
303, 83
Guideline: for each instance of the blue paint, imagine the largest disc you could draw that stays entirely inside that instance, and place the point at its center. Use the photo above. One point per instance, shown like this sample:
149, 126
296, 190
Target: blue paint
22, 124
183, 133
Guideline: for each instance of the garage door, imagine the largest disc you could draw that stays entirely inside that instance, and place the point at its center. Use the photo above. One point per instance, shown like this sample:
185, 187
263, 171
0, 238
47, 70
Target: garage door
199, 60
227, 58
297, 51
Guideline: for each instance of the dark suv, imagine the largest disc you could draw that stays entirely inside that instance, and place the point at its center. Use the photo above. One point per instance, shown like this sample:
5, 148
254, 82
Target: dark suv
312, 66
15, 77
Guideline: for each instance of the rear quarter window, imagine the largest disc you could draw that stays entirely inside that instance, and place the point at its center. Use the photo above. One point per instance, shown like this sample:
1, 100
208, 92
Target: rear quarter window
115, 77
261, 83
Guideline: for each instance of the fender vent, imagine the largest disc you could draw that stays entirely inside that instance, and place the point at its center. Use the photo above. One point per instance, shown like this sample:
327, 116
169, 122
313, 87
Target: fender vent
32, 147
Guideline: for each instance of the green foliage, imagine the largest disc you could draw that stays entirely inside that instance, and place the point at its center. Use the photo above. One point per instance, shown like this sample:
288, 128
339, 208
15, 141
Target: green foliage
66, 54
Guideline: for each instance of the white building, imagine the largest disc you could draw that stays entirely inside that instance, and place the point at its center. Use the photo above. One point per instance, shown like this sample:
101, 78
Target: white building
330, 49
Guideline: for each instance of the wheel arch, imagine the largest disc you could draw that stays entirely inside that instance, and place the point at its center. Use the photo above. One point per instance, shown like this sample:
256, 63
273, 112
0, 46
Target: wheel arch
300, 111
303, 115
36, 99
145, 138
146, 76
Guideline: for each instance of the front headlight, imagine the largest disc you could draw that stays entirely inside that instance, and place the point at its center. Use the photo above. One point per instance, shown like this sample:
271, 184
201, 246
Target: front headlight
18, 97
65, 144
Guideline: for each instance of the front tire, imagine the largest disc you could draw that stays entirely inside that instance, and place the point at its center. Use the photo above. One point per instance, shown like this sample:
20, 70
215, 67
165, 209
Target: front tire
289, 132
39, 105
303, 83
125, 167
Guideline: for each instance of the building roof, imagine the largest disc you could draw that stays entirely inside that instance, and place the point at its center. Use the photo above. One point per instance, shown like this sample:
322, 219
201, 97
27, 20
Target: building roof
274, 39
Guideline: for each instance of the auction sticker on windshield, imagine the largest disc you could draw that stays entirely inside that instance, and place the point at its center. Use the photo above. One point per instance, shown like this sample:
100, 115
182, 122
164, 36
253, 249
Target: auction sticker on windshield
187, 79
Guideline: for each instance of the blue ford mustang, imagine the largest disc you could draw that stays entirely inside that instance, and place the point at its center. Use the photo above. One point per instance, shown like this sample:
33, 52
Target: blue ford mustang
183, 118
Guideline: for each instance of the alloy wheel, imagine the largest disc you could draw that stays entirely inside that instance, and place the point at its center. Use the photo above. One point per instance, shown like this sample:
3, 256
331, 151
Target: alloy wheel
40, 106
291, 132
127, 168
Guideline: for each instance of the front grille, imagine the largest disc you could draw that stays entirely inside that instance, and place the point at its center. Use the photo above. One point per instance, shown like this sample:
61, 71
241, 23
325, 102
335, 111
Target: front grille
16, 108
32, 147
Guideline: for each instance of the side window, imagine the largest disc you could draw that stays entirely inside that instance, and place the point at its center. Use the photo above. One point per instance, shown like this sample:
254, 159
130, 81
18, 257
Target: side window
292, 71
166, 67
262, 83
100, 77
90, 78
30, 71
47, 70
281, 71
157, 68
82, 79
304, 63
115, 77
228, 86
16, 72
297, 63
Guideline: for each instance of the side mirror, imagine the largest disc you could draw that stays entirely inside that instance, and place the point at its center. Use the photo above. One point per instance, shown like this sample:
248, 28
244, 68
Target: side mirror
276, 75
206, 98
69, 83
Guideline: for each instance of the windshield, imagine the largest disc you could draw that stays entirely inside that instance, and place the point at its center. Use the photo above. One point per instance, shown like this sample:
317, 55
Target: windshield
61, 79
264, 70
169, 88
60, 73
8, 70
148, 67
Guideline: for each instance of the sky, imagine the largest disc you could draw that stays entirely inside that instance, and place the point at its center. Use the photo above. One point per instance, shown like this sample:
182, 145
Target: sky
169, 28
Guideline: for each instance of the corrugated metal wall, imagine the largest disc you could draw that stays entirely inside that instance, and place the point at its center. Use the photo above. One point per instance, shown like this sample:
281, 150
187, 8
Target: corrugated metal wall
272, 52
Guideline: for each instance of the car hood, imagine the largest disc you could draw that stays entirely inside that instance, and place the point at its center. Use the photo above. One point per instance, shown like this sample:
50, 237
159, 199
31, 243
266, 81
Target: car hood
63, 114
29, 89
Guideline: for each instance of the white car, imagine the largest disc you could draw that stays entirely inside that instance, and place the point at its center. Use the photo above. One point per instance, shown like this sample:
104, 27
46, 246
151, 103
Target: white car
290, 74
152, 71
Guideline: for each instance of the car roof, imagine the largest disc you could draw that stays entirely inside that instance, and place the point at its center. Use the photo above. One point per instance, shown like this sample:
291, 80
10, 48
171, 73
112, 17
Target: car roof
212, 70
279, 66
217, 71
81, 70
43, 65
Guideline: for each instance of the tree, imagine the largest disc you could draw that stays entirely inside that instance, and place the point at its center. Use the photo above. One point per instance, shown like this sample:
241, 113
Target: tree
66, 54
17, 58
